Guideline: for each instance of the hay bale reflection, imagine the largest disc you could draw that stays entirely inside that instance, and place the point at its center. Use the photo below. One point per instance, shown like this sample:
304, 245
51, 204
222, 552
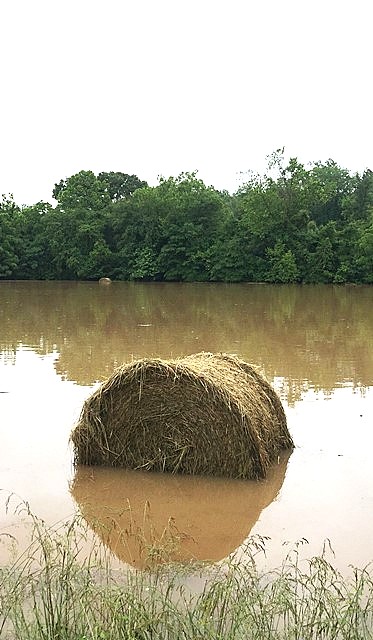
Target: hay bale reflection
149, 518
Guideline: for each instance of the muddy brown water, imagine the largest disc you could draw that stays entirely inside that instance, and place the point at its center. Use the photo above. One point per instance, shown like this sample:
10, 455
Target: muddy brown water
314, 344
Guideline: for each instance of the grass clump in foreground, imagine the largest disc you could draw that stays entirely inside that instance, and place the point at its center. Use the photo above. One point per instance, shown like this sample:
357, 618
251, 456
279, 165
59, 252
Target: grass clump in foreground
50, 593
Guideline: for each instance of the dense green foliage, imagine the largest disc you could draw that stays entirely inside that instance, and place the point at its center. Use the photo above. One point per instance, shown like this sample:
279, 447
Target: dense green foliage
294, 224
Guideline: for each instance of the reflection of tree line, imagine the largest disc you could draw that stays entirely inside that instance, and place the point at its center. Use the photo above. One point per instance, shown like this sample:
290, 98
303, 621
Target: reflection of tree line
314, 335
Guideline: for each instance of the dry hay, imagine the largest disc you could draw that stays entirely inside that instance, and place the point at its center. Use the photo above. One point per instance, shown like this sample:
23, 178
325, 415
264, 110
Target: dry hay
209, 414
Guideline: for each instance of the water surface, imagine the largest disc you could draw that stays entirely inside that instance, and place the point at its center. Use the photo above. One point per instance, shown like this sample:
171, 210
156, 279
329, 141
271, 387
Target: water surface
314, 343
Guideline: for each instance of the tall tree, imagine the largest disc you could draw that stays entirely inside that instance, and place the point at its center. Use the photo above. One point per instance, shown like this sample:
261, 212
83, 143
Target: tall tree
9, 236
190, 227
34, 257
82, 190
167, 231
120, 185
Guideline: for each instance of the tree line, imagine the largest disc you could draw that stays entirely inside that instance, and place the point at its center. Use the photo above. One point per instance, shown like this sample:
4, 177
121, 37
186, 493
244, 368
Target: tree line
293, 224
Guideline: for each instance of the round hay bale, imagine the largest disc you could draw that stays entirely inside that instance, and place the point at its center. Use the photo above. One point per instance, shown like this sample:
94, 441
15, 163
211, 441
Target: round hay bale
208, 414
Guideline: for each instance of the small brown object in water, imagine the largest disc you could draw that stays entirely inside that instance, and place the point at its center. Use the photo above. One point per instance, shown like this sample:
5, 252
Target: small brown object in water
208, 414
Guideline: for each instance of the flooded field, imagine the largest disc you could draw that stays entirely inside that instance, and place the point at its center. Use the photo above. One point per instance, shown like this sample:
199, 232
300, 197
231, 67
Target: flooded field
314, 344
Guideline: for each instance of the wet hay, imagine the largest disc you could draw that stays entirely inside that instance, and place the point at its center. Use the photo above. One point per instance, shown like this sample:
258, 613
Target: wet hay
208, 414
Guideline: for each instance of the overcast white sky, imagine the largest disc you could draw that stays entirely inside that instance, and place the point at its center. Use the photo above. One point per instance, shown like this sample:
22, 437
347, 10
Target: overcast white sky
159, 87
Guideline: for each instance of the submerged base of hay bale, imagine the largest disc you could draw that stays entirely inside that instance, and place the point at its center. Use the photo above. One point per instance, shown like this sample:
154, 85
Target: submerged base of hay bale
210, 414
